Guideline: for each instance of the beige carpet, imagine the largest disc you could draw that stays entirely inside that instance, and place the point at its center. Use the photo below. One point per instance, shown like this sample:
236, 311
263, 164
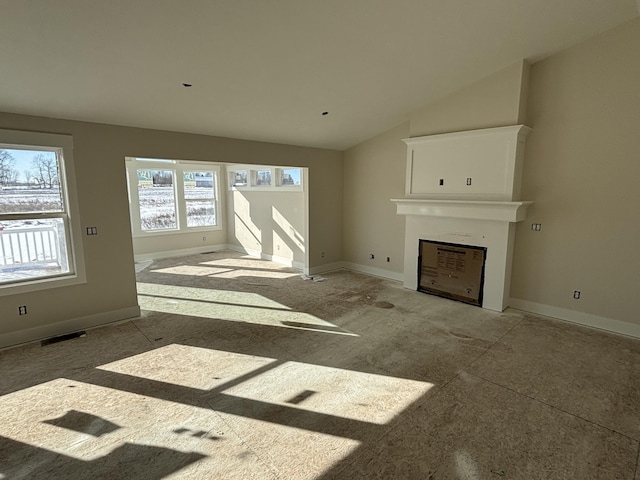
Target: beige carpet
241, 369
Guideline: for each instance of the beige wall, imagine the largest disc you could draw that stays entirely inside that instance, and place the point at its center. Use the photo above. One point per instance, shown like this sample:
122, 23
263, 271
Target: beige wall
374, 173
582, 169
325, 213
99, 152
495, 101
155, 244
272, 223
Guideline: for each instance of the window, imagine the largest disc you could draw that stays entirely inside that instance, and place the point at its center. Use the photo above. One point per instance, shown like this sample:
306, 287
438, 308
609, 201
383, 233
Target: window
200, 198
290, 176
40, 240
157, 199
256, 177
239, 178
263, 177
170, 196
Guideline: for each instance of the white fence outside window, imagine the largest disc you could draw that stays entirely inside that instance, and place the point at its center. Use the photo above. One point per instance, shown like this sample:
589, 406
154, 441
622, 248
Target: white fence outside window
27, 248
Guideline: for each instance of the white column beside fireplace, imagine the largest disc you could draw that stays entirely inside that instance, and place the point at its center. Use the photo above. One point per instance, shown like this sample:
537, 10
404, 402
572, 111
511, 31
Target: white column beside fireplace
464, 188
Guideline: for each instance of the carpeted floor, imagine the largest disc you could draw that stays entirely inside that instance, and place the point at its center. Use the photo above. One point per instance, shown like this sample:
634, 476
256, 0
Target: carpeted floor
241, 369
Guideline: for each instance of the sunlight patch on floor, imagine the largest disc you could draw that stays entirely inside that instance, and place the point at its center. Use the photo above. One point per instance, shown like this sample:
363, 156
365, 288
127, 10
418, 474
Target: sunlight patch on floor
246, 262
332, 391
195, 270
239, 273
155, 438
25, 420
207, 271
245, 299
193, 367
337, 392
63, 422
229, 306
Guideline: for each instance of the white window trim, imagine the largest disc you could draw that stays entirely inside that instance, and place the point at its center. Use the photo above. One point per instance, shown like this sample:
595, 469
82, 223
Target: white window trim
178, 167
252, 171
33, 140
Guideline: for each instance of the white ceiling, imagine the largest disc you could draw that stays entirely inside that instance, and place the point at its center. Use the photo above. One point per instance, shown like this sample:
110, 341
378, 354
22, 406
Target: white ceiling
267, 69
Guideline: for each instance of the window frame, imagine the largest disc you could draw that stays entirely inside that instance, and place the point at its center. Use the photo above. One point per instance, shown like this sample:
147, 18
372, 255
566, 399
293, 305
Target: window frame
252, 174
280, 171
70, 215
178, 167
255, 177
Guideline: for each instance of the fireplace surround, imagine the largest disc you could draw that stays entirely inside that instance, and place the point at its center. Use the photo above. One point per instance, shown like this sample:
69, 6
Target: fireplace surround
451, 270
463, 188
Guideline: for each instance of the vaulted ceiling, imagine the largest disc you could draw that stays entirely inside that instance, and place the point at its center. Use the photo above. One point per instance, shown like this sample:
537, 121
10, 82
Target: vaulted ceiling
268, 69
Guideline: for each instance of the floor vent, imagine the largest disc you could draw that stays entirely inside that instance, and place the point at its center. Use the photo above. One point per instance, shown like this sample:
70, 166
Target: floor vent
62, 338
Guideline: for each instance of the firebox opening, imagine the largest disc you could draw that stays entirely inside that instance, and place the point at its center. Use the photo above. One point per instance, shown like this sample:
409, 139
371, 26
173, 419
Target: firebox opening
452, 270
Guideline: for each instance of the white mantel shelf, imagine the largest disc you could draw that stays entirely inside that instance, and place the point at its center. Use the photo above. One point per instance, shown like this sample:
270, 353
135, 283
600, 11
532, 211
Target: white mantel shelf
472, 209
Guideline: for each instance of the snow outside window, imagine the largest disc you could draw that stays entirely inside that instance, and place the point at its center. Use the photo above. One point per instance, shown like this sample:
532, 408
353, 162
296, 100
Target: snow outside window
36, 241
170, 196
200, 199
157, 200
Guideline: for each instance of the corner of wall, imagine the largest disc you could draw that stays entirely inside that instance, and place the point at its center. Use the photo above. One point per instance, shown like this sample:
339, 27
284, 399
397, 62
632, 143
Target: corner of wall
524, 92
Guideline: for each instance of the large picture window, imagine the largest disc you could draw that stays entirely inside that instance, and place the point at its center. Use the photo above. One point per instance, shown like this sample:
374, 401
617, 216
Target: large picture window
38, 216
156, 200
170, 196
200, 198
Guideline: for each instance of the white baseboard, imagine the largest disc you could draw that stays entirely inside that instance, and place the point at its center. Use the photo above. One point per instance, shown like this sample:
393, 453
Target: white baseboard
179, 253
327, 267
287, 262
376, 272
67, 326
581, 318
239, 249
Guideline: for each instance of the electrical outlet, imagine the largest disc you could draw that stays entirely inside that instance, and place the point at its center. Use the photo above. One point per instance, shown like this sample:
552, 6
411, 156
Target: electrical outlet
442, 181
321, 254
388, 259
22, 310
371, 256
468, 180
204, 239
576, 294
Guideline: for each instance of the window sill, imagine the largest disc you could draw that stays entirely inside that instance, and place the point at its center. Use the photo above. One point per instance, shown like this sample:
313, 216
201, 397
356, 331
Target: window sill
39, 284
161, 233
265, 188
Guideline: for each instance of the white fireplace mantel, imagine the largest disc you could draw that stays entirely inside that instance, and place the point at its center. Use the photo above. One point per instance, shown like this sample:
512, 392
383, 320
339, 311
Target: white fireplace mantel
478, 210
464, 188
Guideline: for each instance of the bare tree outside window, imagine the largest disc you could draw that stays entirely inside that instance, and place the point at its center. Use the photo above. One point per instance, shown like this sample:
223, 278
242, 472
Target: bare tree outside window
44, 171
8, 174
33, 232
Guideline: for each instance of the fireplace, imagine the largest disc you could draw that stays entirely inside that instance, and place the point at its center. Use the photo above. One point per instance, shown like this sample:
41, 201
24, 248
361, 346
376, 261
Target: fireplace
463, 189
451, 270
